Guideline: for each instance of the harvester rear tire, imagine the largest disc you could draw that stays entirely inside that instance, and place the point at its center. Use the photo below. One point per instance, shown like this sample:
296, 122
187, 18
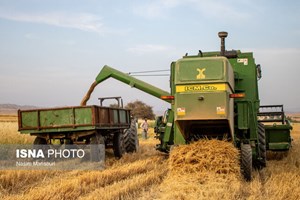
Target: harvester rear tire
246, 161
118, 144
262, 145
131, 140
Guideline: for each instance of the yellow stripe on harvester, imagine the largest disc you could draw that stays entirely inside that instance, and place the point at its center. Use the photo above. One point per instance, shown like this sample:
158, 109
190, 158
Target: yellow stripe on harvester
201, 87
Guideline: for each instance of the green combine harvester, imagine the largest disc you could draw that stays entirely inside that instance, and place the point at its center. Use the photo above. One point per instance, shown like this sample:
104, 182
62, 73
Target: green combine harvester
214, 95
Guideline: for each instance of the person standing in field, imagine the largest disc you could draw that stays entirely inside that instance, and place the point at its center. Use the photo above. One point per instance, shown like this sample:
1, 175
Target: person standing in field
145, 129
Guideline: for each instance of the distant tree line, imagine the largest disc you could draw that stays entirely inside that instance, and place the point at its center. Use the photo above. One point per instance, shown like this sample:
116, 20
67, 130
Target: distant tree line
138, 109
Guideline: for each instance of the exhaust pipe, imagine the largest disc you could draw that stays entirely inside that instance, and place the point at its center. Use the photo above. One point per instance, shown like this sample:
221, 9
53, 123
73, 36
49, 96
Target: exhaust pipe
222, 35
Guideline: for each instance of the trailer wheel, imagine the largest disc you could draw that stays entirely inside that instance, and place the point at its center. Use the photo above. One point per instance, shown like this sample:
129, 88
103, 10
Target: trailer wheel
118, 144
131, 140
39, 141
262, 145
246, 161
97, 148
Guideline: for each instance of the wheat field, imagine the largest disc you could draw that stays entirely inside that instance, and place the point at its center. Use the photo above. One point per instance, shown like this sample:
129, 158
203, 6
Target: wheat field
208, 172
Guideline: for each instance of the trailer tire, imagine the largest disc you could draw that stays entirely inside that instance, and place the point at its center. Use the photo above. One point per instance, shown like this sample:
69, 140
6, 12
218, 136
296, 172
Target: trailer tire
262, 146
118, 144
97, 146
39, 141
131, 140
246, 161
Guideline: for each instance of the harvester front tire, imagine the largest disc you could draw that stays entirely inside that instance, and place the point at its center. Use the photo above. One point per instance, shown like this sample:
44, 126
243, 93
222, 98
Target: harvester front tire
118, 144
262, 145
246, 161
97, 146
131, 140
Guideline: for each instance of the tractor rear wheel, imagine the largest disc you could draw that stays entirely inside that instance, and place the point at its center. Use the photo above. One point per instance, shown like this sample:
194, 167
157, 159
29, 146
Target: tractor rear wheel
131, 141
97, 146
262, 146
118, 144
246, 161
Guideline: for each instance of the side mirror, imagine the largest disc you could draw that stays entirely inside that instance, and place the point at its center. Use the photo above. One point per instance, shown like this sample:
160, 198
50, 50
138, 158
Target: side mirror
258, 69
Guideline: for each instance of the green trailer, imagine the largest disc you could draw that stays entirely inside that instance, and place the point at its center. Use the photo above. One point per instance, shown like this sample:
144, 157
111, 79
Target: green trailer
112, 127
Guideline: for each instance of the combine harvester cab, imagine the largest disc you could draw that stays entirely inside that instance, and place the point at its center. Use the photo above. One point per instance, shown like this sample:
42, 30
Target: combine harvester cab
277, 127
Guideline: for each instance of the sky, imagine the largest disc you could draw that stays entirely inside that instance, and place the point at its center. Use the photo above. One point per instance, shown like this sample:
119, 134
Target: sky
52, 50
